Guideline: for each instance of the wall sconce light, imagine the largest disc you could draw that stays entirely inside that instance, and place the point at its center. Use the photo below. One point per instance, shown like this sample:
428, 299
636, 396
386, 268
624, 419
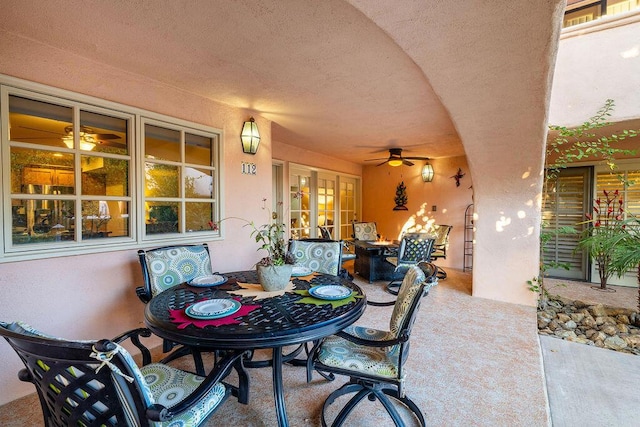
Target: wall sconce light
250, 137
427, 172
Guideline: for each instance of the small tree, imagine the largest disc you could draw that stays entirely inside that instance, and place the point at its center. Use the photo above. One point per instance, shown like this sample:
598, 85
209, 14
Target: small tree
601, 238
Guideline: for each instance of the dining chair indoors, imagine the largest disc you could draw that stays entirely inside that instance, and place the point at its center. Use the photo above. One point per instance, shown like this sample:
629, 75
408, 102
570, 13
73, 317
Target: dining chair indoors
374, 359
169, 266
97, 383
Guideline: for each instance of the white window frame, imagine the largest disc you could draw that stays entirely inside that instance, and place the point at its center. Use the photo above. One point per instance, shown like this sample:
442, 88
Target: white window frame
13, 86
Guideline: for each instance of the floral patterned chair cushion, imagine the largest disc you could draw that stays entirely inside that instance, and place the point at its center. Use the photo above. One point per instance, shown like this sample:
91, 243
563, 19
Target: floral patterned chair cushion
320, 256
165, 267
341, 353
365, 231
441, 234
169, 386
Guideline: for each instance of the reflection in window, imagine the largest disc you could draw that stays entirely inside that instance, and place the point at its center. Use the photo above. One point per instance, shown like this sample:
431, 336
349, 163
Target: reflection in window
48, 189
180, 189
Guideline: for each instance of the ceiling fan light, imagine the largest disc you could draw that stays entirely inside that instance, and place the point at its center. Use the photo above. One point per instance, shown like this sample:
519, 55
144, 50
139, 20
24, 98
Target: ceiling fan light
68, 141
395, 162
87, 142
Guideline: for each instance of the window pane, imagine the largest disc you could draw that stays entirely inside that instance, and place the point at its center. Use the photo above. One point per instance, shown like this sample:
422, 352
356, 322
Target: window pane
38, 220
161, 180
104, 176
198, 183
161, 143
162, 217
96, 215
108, 134
199, 216
41, 172
38, 122
118, 226
198, 149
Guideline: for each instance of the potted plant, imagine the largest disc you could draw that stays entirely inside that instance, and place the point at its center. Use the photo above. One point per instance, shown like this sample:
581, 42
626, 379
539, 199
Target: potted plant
274, 270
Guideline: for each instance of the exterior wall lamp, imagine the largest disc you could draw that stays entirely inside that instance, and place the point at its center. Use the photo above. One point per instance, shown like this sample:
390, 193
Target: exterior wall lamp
427, 172
250, 137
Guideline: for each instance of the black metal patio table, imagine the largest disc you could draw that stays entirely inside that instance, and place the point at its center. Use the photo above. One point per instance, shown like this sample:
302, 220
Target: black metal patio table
278, 321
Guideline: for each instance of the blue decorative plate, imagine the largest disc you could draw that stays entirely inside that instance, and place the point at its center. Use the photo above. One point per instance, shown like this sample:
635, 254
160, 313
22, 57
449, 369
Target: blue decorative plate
299, 271
213, 308
205, 281
330, 292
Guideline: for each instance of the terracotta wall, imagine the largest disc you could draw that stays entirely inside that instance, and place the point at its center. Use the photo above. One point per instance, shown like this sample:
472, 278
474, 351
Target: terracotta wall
379, 189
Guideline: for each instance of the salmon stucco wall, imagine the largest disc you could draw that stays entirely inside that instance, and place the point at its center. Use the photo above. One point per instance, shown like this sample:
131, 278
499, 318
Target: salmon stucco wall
450, 201
93, 295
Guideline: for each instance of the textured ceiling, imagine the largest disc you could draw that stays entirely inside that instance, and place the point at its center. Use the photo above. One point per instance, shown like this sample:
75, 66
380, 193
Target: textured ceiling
329, 77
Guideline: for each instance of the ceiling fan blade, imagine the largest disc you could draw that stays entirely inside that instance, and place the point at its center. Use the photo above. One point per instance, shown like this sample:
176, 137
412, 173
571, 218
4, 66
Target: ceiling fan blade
407, 162
383, 163
105, 136
417, 158
376, 160
41, 130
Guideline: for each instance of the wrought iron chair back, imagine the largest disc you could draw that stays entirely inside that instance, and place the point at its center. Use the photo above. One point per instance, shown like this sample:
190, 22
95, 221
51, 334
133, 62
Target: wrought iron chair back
414, 248
97, 383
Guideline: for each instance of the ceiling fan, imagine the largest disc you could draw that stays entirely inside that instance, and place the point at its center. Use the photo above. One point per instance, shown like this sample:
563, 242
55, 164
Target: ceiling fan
87, 135
396, 159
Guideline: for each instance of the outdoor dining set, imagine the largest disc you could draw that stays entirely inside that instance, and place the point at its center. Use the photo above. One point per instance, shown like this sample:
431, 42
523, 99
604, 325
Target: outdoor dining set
309, 323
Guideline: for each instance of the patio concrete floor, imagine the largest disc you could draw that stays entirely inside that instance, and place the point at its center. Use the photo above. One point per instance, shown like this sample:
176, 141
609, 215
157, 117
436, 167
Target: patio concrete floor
473, 362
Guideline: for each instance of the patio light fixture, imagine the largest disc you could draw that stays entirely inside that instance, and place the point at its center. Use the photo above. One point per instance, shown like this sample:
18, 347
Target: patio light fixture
427, 172
250, 137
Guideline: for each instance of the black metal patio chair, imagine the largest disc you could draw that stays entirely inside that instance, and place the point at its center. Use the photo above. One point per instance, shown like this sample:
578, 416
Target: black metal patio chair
374, 359
97, 383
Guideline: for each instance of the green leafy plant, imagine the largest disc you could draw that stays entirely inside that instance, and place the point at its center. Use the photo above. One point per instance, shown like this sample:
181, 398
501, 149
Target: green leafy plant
600, 239
581, 143
626, 250
270, 236
568, 145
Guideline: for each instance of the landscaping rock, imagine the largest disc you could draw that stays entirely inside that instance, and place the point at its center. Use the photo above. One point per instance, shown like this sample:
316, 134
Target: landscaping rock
592, 324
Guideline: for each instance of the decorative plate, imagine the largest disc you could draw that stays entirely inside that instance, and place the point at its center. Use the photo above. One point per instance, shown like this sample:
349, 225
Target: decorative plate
330, 292
204, 281
299, 271
213, 308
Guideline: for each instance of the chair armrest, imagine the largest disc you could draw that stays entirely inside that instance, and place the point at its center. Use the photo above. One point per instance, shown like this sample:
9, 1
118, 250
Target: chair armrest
134, 335
219, 372
373, 343
143, 294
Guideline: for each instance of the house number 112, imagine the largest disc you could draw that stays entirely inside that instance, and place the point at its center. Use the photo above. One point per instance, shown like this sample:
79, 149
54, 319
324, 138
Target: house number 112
249, 168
